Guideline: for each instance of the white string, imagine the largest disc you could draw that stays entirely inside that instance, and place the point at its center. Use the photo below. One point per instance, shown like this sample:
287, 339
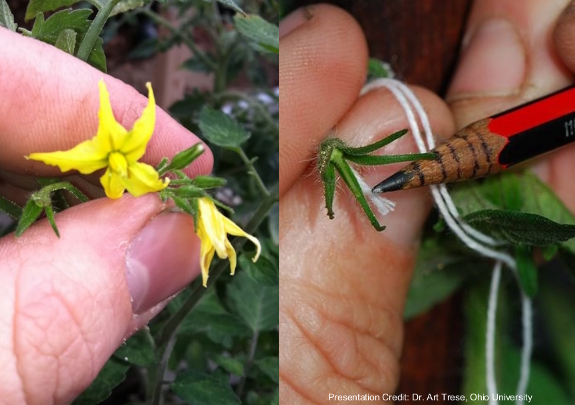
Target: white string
382, 204
490, 335
470, 236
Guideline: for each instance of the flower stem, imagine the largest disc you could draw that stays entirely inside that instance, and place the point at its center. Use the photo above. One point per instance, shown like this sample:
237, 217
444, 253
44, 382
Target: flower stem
172, 325
252, 170
94, 31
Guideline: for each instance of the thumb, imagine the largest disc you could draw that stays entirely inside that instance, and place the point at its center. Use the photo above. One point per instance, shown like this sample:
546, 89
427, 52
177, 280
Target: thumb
68, 303
507, 58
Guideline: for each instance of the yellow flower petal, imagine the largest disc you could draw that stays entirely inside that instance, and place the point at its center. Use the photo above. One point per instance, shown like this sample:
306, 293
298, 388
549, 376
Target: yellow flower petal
232, 256
137, 139
113, 184
206, 256
87, 157
143, 179
110, 132
211, 223
235, 230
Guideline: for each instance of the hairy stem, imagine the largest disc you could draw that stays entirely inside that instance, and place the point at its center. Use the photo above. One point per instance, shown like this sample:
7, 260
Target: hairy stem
94, 31
252, 171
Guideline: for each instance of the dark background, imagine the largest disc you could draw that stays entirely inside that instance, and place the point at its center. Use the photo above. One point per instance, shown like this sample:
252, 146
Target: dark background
420, 39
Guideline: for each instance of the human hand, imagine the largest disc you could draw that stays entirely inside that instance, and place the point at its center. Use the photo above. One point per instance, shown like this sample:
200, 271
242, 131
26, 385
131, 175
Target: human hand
66, 304
514, 52
343, 285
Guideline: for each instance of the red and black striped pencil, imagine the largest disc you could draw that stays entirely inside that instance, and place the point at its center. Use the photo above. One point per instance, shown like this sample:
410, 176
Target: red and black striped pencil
493, 144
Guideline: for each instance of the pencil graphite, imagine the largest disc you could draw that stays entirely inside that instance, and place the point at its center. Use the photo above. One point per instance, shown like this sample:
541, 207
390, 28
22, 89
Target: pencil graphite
493, 144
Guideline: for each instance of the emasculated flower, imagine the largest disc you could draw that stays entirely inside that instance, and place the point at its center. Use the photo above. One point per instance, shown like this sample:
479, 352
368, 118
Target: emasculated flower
116, 149
212, 229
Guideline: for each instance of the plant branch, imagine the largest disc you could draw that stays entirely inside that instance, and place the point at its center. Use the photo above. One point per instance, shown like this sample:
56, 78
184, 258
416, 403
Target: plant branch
94, 31
161, 370
252, 170
249, 362
182, 35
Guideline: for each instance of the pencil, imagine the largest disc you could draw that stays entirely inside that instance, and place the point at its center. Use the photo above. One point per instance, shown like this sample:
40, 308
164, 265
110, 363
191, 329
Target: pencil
493, 144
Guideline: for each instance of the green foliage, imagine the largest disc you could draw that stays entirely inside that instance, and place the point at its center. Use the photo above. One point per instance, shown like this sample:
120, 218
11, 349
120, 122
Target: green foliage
263, 272
263, 35
257, 305
270, 366
6, 16
66, 41
520, 227
543, 385
377, 69
40, 6
49, 31
438, 273
202, 389
139, 350
231, 4
110, 376
221, 129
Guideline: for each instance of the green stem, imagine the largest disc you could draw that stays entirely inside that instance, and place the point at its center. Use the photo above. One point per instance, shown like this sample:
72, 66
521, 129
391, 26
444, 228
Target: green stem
172, 325
259, 106
94, 31
183, 36
252, 170
161, 370
249, 361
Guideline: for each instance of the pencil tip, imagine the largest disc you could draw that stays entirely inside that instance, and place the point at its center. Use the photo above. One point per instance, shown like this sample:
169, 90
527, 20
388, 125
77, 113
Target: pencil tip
392, 183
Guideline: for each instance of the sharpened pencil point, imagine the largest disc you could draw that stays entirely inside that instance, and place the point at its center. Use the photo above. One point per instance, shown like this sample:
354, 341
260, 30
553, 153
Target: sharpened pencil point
393, 183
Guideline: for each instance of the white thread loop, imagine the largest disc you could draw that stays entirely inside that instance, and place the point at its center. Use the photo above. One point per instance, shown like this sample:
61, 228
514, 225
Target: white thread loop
481, 243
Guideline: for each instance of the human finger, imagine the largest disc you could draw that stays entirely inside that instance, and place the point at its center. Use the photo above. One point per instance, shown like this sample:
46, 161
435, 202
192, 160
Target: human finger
508, 58
59, 108
343, 285
68, 303
323, 62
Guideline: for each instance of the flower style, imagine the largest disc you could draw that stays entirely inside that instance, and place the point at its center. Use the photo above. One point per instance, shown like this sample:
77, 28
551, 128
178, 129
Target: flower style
212, 228
115, 148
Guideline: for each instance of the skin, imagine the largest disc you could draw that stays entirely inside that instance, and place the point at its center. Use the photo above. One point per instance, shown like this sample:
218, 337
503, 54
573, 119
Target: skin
343, 286
65, 305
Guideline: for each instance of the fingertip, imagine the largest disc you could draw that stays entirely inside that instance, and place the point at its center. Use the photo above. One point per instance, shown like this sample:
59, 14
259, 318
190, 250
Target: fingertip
564, 37
322, 68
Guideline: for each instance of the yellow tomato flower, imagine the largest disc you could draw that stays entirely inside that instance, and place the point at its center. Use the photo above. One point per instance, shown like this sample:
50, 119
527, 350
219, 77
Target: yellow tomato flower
212, 228
115, 148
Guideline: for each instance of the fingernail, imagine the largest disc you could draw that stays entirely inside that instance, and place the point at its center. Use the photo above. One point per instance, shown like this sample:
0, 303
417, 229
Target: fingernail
162, 259
295, 19
492, 64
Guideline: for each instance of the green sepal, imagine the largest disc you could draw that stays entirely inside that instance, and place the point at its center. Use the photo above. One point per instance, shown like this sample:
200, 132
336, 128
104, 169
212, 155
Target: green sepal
364, 150
50, 215
189, 191
328, 178
205, 182
30, 213
184, 158
388, 159
223, 206
349, 178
